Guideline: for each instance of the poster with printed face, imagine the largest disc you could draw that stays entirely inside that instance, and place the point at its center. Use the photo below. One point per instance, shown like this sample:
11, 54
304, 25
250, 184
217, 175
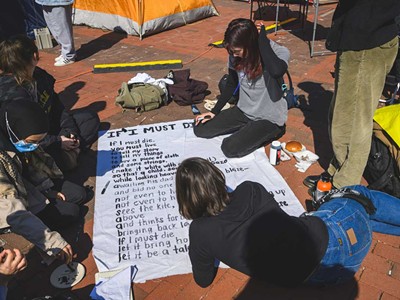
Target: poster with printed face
136, 219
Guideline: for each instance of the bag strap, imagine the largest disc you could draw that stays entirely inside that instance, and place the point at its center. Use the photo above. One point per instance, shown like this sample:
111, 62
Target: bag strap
346, 193
289, 79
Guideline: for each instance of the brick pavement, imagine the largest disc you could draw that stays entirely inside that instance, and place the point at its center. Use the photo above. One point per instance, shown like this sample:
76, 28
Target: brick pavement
379, 277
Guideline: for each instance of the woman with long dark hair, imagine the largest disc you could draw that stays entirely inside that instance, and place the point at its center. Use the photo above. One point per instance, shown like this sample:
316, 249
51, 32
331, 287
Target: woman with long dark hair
247, 230
256, 69
20, 78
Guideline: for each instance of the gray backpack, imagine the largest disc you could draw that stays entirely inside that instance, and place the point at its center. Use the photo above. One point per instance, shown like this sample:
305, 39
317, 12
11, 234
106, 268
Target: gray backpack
140, 96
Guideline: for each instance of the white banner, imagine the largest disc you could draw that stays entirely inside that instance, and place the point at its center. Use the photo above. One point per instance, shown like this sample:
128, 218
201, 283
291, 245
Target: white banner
136, 219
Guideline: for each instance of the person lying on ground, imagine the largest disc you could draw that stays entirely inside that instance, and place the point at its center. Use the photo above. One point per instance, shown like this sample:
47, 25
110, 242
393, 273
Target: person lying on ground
20, 78
35, 200
256, 69
247, 230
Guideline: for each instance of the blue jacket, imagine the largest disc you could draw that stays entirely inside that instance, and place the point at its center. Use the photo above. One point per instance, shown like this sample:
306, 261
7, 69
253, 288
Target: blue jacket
54, 2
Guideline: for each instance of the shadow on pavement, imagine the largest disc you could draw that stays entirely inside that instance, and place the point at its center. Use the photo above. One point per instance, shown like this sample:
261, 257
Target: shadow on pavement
315, 109
106, 41
257, 290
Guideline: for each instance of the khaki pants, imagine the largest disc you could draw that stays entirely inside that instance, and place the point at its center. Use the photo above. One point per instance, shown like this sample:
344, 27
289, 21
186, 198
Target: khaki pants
359, 81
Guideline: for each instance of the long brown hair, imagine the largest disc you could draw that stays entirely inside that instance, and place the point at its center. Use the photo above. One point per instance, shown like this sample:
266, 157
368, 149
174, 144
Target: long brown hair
243, 33
200, 189
16, 55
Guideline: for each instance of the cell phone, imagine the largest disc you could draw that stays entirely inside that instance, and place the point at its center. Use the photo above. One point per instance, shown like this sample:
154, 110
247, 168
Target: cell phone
195, 110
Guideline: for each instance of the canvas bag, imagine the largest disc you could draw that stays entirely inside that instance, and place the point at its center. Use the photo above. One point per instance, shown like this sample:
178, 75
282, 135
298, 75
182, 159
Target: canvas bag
139, 96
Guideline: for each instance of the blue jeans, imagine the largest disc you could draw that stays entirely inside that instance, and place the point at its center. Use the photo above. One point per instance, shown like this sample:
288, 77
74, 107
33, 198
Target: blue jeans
350, 233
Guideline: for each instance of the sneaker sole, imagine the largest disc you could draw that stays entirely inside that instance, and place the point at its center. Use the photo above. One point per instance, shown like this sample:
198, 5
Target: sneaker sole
309, 184
64, 64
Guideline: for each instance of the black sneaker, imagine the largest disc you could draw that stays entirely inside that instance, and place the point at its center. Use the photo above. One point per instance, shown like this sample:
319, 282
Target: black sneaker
311, 181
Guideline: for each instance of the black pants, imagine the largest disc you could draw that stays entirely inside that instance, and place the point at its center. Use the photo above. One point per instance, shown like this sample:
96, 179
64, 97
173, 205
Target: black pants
58, 213
88, 124
246, 135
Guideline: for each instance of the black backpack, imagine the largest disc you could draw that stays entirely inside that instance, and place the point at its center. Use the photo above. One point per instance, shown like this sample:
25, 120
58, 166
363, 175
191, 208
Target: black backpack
382, 172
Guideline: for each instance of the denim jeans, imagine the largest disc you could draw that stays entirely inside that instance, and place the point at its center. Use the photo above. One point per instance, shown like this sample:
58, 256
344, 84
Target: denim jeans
350, 238
350, 233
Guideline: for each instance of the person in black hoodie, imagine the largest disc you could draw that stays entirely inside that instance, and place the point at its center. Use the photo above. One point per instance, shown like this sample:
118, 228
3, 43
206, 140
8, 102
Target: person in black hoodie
246, 229
365, 36
256, 69
20, 78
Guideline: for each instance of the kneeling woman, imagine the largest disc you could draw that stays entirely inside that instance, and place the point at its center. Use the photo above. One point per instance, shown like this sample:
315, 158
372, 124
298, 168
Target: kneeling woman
247, 230
256, 67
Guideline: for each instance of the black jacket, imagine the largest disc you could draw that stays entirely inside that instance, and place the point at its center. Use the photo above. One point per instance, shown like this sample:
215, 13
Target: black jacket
363, 24
48, 99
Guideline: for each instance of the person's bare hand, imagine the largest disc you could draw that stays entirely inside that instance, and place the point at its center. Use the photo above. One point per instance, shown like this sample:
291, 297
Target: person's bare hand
66, 254
61, 196
11, 262
258, 25
205, 117
68, 143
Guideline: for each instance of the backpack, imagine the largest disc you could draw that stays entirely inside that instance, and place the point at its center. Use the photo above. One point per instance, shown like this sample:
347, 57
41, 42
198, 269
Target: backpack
382, 172
140, 96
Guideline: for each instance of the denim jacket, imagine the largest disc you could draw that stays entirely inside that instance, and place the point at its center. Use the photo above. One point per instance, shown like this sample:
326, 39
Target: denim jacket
54, 2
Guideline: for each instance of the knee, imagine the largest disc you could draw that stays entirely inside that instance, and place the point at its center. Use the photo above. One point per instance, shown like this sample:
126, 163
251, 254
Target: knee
230, 149
201, 131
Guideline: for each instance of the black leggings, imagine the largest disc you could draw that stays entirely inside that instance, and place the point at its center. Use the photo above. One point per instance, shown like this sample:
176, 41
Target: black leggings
58, 213
246, 135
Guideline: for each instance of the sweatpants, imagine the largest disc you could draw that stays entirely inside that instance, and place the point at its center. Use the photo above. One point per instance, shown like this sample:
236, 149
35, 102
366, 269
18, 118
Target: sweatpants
59, 22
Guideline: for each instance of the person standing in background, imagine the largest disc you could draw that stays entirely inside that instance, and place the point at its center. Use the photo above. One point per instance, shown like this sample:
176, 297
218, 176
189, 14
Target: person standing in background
364, 35
58, 16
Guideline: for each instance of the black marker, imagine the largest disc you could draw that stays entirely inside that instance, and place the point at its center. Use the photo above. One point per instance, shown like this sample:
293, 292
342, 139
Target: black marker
105, 187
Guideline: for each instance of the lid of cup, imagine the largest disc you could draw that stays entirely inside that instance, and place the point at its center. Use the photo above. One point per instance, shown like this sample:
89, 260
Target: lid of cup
276, 143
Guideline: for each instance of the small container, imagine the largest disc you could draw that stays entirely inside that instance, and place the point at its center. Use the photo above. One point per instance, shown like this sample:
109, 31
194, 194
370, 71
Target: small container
275, 153
324, 185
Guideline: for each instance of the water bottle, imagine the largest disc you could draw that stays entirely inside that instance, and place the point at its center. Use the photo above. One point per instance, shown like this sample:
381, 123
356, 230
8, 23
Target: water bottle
324, 185
275, 153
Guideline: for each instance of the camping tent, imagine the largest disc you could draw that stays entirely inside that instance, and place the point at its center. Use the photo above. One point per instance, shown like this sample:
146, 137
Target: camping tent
141, 17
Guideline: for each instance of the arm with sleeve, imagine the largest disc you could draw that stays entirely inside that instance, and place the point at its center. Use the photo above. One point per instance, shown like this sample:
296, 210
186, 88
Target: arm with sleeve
203, 265
273, 64
226, 94
13, 213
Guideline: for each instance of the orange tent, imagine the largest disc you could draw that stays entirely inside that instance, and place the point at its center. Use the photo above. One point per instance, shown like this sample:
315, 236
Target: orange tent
141, 17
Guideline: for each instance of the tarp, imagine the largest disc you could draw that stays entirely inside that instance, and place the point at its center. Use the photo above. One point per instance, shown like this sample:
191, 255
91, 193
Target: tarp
136, 219
141, 17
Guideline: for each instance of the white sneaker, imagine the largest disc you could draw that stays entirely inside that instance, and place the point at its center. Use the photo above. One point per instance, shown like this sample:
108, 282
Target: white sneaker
63, 62
58, 57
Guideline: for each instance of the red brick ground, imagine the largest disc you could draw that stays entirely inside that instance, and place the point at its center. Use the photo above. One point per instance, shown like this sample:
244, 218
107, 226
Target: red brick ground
79, 87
